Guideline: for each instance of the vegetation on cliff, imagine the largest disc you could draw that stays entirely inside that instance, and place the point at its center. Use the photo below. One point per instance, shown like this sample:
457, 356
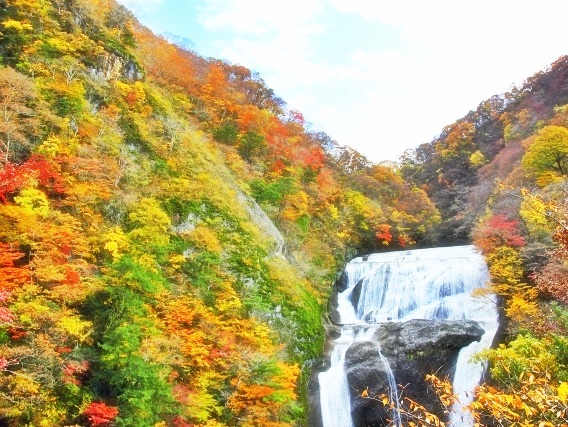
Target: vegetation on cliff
142, 278
140, 283
499, 178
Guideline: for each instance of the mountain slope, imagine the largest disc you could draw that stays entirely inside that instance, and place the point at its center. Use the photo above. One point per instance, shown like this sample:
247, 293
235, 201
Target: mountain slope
499, 178
140, 283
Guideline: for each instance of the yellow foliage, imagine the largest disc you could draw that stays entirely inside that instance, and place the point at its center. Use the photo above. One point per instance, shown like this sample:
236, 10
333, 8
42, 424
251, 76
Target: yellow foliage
548, 177
563, 392
32, 313
176, 261
153, 224
333, 212
205, 239
54, 145
33, 200
149, 263
51, 416
505, 266
24, 385
75, 326
295, 205
133, 94
477, 159
212, 423
532, 211
522, 307
116, 242
228, 302
17, 25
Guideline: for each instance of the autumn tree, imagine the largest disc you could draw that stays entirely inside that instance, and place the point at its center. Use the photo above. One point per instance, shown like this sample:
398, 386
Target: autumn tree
496, 231
548, 152
100, 414
251, 145
17, 116
552, 280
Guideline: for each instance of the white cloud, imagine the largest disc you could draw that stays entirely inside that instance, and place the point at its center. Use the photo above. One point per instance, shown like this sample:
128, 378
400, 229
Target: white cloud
422, 64
141, 7
260, 17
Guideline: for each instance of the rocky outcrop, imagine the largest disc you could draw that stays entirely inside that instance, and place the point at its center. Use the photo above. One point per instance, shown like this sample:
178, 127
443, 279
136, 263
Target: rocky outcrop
367, 376
412, 349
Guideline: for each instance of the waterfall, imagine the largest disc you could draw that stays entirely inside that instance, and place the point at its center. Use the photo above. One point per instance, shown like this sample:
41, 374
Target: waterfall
435, 284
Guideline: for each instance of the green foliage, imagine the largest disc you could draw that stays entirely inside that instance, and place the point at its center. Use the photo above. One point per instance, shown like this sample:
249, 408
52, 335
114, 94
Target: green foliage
524, 354
227, 133
272, 192
548, 152
251, 144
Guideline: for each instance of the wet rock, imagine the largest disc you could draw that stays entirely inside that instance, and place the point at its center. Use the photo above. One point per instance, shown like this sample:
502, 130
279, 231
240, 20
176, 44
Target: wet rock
412, 349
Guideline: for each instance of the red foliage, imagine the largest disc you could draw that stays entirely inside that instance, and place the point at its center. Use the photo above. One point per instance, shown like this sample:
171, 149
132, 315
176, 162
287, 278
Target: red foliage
4, 363
11, 180
16, 333
46, 173
99, 414
403, 241
498, 231
180, 422
72, 277
314, 158
11, 274
73, 370
13, 177
297, 117
6, 316
383, 234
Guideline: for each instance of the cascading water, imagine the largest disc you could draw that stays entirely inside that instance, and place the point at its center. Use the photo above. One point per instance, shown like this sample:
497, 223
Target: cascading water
434, 284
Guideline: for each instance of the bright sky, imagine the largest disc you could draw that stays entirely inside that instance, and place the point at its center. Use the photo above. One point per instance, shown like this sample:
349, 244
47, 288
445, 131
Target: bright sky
378, 76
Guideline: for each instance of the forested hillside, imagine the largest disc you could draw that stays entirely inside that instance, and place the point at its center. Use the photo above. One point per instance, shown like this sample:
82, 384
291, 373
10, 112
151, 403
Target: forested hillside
170, 231
143, 281
499, 176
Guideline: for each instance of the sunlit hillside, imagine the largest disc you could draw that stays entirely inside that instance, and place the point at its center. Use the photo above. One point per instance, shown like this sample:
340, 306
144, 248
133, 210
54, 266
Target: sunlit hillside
499, 176
170, 231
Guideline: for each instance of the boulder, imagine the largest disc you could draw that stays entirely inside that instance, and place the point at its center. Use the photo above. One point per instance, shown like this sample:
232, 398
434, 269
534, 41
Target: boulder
412, 349
367, 376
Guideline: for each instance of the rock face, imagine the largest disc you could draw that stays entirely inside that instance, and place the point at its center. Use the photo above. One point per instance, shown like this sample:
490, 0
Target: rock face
412, 349
366, 374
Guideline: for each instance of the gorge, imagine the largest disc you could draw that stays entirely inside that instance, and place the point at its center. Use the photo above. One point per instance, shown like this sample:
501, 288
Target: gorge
399, 316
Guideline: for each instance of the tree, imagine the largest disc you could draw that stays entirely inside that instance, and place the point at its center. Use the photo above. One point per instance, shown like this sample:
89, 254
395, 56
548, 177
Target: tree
99, 414
497, 231
17, 117
528, 387
548, 152
251, 145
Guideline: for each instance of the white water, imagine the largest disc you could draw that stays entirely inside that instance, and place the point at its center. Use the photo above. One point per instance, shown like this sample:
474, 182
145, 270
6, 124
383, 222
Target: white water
434, 284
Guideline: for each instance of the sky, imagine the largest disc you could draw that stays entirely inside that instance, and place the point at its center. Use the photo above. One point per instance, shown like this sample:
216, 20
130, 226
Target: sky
378, 76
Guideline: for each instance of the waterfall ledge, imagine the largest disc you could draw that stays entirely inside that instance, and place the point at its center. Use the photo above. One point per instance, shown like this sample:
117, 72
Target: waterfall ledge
412, 349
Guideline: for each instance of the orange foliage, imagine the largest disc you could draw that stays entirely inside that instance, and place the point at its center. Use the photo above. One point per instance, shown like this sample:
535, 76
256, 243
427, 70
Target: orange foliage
383, 234
12, 275
498, 231
188, 319
99, 414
